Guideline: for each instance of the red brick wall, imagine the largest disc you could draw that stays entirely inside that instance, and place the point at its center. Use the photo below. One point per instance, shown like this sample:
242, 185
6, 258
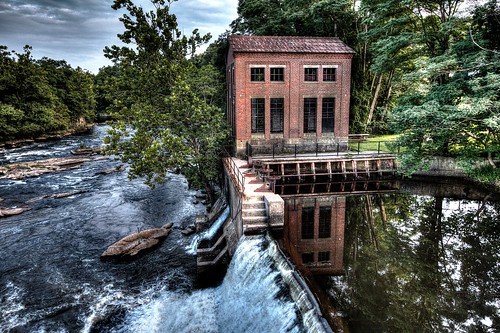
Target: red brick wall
296, 246
293, 89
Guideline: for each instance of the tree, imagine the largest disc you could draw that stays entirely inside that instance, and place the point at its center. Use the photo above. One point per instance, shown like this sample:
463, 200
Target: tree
42, 96
162, 124
451, 106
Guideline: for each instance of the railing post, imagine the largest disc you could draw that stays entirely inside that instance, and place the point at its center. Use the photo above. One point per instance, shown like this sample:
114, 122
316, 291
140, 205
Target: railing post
378, 150
273, 150
295, 148
359, 142
338, 148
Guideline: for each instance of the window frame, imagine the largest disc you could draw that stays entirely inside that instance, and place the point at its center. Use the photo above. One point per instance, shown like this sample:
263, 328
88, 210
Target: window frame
325, 222
324, 257
277, 112
310, 114
327, 77
277, 77
328, 114
311, 73
307, 223
257, 77
307, 258
258, 115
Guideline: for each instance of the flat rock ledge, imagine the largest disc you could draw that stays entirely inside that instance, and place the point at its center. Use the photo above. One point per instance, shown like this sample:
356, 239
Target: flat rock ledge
35, 168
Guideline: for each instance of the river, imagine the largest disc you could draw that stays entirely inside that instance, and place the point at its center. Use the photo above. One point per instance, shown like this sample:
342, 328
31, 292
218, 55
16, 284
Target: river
52, 279
51, 276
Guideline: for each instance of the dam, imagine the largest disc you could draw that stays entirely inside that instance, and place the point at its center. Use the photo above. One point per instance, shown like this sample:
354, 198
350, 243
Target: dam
264, 192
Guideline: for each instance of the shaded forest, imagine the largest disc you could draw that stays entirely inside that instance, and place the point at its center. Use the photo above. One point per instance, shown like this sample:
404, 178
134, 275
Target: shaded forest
428, 71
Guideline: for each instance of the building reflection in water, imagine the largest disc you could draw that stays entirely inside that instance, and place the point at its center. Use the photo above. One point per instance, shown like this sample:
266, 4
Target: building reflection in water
313, 234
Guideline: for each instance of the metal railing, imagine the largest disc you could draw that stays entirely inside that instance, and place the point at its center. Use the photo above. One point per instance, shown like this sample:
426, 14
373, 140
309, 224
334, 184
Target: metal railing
234, 172
351, 147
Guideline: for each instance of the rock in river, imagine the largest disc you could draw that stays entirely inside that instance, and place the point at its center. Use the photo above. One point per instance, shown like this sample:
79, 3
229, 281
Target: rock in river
4, 212
136, 242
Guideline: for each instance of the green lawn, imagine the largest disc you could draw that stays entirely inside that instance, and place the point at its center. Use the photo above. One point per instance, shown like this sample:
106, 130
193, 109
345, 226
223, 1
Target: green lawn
375, 143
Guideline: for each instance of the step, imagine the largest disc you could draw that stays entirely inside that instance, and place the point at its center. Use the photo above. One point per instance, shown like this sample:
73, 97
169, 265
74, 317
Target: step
254, 220
253, 229
254, 212
253, 205
253, 198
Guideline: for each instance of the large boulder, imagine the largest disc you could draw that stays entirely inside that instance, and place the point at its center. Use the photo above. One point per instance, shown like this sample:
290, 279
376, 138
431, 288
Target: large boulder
132, 244
4, 212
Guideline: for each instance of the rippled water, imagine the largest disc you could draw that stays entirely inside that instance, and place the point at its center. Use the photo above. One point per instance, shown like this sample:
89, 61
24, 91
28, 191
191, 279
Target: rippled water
51, 276
52, 279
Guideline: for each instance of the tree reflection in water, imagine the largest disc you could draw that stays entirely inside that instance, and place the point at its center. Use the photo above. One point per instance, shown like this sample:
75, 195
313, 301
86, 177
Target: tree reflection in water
411, 263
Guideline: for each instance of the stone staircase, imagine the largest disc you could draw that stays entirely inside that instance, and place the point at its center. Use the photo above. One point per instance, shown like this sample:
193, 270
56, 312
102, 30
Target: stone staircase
254, 215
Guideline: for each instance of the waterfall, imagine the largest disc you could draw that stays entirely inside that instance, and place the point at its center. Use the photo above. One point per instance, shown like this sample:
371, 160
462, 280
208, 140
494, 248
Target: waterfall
252, 298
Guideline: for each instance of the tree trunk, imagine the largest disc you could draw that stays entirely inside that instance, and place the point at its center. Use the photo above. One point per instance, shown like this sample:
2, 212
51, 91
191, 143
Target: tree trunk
382, 210
369, 215
210, 192
374, 102
490, 160
388, 96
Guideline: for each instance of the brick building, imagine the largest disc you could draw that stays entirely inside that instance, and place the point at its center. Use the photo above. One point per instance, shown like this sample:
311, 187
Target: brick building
288, 90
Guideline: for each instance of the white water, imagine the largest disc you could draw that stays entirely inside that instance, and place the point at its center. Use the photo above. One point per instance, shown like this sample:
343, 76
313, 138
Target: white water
191, 249
252, 298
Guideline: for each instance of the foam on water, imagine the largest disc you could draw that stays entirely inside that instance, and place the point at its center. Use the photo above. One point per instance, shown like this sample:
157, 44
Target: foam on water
191, 249
252, 298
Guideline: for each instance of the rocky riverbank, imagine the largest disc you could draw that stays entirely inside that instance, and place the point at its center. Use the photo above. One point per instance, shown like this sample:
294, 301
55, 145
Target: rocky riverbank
81, 129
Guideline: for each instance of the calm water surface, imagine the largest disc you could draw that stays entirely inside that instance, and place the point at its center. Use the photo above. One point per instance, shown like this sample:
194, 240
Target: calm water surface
424, 258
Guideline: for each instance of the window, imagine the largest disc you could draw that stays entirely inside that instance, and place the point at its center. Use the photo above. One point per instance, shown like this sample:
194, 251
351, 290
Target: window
277, 74
258, 115
325, 222
310, 74
257, 74
310, 115
327, 114
329, 74
308, 258
324, 256
277, 110
308, 223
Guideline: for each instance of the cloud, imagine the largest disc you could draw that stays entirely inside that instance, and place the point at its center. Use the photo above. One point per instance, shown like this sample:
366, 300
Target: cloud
78, 30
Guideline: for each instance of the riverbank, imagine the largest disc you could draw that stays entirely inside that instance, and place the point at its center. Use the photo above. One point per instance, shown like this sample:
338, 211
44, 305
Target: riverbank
78, 130
449, 167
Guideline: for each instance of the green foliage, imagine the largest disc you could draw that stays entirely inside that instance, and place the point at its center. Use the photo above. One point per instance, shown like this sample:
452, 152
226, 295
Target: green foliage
164, 106
452, 108
422, 69
11, 117
43, 96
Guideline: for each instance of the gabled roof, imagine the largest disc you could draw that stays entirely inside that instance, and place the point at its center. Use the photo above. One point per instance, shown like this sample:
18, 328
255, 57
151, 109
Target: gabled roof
287, 44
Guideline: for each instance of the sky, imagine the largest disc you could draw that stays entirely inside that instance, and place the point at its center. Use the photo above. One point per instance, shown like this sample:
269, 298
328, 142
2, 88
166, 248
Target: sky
78, 30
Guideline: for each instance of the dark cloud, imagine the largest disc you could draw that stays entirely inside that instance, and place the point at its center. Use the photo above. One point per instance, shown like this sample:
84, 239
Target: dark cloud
78, 30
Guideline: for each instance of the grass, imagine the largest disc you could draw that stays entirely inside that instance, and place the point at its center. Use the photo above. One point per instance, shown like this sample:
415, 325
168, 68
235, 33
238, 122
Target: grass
375, 143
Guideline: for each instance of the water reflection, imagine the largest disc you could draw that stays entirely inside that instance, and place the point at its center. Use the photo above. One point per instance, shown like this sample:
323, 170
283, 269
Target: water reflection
399, 261
314, 233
